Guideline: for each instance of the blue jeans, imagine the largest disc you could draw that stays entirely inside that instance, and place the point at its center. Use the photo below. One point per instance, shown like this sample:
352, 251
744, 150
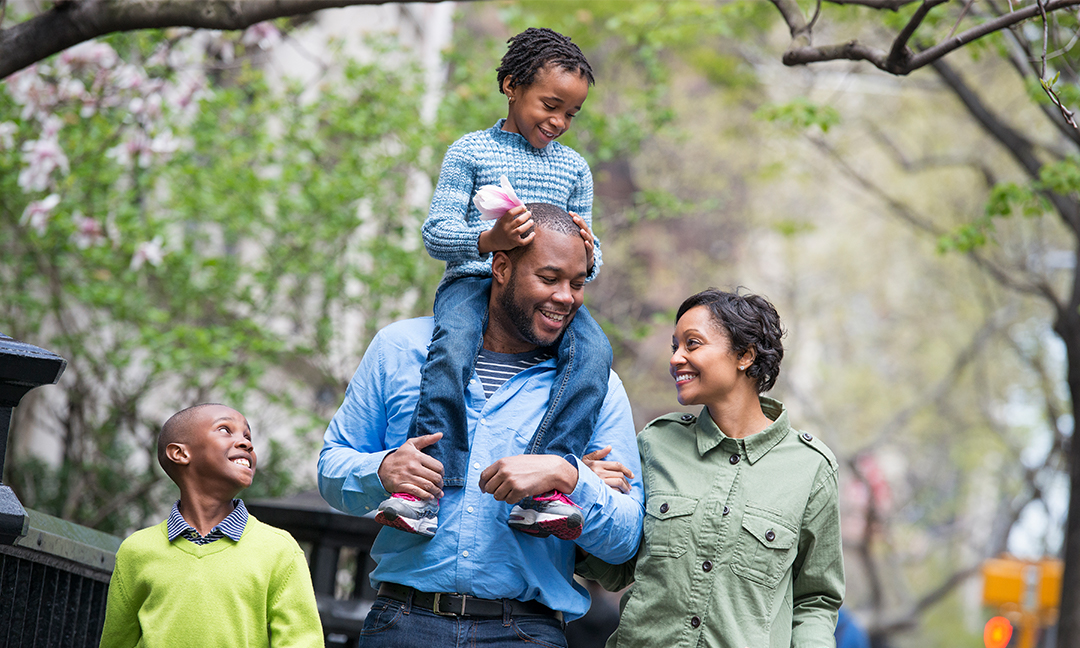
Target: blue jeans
580, 386
395, 624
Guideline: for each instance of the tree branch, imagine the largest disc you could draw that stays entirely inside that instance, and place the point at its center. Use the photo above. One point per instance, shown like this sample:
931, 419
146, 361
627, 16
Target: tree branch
1017, 145
900, 52
72, 22
898, 61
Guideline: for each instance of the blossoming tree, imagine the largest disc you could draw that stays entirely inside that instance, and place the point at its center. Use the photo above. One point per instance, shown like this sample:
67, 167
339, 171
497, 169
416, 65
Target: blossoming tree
183, 230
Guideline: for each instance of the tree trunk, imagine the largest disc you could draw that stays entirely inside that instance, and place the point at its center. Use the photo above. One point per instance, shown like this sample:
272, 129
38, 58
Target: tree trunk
1068, 327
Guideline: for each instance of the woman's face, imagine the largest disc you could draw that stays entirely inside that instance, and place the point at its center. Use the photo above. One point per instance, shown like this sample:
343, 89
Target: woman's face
702, 363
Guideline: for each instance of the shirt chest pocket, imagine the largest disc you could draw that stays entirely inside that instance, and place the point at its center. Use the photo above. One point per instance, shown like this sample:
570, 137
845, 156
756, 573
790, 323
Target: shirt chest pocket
766, 547
668, 519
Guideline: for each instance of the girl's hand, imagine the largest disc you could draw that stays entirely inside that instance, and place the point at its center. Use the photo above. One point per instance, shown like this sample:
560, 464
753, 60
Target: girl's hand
513, 229
613, 473
586, 234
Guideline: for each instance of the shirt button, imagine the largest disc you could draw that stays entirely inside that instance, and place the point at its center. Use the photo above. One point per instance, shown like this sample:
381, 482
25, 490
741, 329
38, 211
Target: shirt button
770, 536
726, 510
695, 622
707, 565
470, 509
734, 459
807, 436
664, 507
484, 421
688, 417
465, 554
476, 465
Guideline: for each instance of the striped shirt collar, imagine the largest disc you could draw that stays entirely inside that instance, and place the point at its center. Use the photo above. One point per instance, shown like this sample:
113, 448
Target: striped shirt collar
231, 527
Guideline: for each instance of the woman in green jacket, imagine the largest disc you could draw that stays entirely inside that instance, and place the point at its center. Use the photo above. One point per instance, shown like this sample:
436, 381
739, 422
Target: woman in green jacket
742, 529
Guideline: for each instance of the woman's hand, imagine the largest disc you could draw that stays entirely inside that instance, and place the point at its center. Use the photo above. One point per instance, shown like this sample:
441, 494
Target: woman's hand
613, 473
587, 235
513, 229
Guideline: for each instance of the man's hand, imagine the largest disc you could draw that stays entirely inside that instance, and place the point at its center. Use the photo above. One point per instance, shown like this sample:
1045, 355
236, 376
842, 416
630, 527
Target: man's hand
512, 479
587, 235
613, 473
513, 229
407, 470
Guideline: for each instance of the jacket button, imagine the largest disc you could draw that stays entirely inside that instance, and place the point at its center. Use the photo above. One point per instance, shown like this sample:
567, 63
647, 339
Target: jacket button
688, 417
807, 436
695, 622
770, 536
734, 459
664, 507
707, 565
726, 510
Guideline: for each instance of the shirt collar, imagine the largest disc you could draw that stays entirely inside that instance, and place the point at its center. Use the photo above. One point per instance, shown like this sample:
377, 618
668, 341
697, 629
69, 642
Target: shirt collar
232, 526
754, 446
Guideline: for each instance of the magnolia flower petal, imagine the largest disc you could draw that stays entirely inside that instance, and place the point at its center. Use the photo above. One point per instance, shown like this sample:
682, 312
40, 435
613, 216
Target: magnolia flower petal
494, 201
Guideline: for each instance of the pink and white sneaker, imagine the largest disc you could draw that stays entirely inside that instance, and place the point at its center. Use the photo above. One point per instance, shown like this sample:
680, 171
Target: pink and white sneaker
549, 514
409, 513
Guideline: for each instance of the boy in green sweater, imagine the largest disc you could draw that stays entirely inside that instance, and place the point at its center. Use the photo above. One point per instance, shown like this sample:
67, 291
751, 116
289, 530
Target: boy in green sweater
211, 575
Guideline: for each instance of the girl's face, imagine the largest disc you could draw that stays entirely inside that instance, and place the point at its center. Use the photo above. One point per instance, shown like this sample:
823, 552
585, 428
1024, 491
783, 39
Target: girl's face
543, 110
703, 365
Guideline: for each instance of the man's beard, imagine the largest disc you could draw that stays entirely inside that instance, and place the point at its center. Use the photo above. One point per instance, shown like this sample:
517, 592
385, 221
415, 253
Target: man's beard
519, 316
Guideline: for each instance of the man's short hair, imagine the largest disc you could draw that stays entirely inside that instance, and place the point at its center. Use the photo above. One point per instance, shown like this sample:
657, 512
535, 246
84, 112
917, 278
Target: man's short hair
176, 430
548, 217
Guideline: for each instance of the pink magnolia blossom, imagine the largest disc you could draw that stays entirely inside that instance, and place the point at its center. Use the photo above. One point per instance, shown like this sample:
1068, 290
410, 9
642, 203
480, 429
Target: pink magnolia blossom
150, 252
139, 148
37, 213
494, 201
42, 157
263, 34
7, 132
29, 89
86, 56
88, 231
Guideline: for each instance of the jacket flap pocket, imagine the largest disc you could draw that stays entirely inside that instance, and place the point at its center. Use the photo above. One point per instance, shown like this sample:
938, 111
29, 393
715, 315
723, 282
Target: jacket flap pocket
664, 506
768, 532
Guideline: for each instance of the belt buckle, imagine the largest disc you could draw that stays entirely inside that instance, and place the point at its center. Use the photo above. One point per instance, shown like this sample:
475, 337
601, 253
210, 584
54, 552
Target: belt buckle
438, 598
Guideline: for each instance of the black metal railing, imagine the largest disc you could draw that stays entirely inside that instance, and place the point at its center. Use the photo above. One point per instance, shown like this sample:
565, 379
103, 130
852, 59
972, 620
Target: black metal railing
54, 575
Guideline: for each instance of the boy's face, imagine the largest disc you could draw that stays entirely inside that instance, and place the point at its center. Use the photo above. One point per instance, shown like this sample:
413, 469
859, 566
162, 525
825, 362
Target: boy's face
220, 448
543, 110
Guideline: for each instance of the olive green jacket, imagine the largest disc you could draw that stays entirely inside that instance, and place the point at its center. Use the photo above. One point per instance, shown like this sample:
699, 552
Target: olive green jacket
742, 540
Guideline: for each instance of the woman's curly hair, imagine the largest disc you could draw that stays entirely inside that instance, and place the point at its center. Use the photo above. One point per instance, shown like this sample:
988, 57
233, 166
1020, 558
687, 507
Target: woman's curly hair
750, 321
535, 48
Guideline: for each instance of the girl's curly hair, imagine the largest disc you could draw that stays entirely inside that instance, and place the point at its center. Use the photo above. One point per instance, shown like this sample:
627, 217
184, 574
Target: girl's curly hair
535, 48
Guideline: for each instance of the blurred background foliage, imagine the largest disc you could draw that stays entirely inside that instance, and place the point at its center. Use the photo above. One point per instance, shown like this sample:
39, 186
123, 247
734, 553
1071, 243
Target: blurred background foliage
242, 236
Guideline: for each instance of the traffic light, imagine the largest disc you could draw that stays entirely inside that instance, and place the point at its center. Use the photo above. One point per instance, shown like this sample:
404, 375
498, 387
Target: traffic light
997, 632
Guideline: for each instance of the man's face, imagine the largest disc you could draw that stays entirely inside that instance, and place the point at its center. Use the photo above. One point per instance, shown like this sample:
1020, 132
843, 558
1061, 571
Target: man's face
544, 290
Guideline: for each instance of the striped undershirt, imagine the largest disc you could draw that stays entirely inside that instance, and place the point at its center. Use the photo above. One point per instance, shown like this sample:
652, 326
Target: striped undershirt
231, 527
496, 368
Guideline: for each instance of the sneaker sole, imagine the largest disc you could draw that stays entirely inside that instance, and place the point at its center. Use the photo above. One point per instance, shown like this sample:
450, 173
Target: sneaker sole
542, 525
395, 521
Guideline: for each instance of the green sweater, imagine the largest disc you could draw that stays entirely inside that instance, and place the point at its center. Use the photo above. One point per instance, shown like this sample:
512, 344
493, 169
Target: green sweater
255, 592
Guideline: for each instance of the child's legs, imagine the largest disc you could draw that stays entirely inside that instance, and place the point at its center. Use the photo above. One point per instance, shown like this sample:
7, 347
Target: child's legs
460, 317
581, 382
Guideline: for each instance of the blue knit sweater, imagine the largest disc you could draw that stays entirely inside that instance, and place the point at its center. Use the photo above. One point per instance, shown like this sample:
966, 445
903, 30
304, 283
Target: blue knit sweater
555, 174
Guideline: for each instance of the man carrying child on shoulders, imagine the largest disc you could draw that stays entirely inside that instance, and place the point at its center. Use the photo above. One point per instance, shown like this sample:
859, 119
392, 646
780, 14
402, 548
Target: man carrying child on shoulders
477, 580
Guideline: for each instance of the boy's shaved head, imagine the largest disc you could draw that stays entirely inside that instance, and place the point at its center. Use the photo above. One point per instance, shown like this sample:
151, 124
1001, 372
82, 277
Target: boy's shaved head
177, 430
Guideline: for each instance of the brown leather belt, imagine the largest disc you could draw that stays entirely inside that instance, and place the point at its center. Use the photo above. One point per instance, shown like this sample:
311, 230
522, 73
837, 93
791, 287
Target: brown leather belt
463, 604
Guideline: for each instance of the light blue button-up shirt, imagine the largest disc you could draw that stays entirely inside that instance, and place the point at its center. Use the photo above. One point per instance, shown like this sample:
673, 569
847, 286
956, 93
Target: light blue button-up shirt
474, 551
